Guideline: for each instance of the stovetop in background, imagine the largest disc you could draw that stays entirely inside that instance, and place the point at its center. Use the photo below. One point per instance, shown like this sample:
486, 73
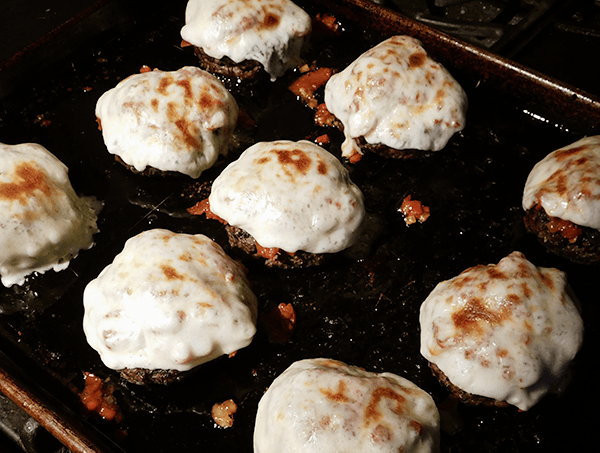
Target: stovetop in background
560, 38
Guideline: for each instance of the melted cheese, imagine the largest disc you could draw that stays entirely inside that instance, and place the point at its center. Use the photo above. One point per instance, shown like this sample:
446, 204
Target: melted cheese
290, 195
326, 406
505, 331
566, 183
168, 301
396, 95
272, 32
43, 223
173, 121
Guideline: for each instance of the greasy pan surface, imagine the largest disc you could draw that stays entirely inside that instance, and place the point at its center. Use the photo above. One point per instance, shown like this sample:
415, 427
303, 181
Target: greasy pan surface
361, 308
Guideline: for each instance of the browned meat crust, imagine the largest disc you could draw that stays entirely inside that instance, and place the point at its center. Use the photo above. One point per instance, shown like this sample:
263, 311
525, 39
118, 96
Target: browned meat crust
247, 69
243, 240
148, 171
386, 151
585, 250
143, 376
465, 397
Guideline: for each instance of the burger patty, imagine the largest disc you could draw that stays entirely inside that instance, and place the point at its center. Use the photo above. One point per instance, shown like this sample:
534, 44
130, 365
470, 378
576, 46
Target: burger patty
144, 376
584, 250
386, 151
465, 397
148, 171
247, 69
241, 239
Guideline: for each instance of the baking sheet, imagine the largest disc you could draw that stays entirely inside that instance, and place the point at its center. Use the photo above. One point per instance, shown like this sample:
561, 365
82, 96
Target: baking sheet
362, 308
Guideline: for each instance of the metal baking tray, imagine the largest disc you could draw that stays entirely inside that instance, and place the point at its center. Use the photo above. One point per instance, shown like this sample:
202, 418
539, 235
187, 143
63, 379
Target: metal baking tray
362, 307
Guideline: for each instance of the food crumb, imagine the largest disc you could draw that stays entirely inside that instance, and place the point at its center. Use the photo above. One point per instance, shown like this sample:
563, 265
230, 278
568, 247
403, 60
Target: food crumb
222, 413
322, 140
280, 321
306, 86
97, 396
414, 210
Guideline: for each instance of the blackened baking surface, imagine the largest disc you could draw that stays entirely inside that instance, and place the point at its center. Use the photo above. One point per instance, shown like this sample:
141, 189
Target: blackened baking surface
361, 308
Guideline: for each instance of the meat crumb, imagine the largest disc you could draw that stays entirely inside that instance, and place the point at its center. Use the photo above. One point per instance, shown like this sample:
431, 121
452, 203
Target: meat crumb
306, 86
97, 396
414, 210
281, 320
325, 23
222, 413
323, 117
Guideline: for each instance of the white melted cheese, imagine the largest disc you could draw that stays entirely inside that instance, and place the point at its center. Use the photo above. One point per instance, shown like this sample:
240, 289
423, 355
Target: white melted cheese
505, 331
396, 95
290, 195
170, 120
566, 183
272, 32
326, 406
168, 301
43, 223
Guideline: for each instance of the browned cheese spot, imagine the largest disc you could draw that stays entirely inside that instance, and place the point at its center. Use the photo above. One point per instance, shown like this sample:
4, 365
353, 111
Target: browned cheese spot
322, 167
439, 97
372, 412
183, 125
185, 257
494, 273
524, 271
171, 273
565, 154
134, 106
417, 60
295, 158
263, 160
502, 353
325, 421
475, 314
417, 427
381, 434
271, 20
464, 278
513, 298
206, 101
187, 88
28, 180
164, 84
339, 395
547, 281
526, 290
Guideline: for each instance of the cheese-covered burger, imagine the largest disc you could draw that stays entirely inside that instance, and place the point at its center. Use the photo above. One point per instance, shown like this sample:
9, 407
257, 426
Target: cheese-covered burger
326, 406
287, 196
395, 99
239, 38
562, 201
167, 303
44, 224
501, 334
168, 121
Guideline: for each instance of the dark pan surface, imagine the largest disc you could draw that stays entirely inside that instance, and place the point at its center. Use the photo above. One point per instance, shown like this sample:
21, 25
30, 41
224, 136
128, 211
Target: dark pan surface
361, 308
